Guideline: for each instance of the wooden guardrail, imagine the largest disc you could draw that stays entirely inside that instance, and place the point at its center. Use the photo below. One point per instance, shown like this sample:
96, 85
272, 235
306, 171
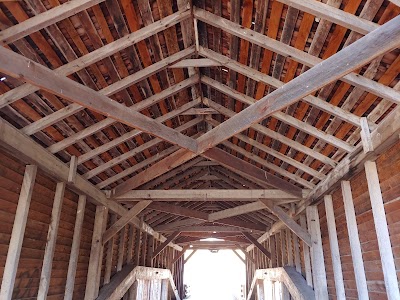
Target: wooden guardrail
142, 283
289, 282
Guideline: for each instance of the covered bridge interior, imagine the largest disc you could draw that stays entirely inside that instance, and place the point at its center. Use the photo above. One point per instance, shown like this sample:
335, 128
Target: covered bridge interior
130, 130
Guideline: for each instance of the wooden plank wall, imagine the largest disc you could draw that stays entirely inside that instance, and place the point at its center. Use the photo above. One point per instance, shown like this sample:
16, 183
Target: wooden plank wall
33, 247
388, 169
39, 217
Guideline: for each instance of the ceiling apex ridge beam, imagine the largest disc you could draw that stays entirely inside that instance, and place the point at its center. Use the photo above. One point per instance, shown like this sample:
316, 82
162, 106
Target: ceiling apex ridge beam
26, 149
20, 67
356, 55
302, 57
45, 19
98, 54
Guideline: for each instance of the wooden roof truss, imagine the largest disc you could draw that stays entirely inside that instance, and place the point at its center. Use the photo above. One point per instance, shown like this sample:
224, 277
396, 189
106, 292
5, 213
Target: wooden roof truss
143, 105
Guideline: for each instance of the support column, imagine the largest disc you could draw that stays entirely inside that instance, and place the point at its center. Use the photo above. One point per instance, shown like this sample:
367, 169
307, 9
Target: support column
17, 235
260, 290
109, 253
334, 246
382, 232
317, 254
296, 251
96, 253
121, 247
272, 246
306, 255
73, 259
355, 246
51, 241
289, 247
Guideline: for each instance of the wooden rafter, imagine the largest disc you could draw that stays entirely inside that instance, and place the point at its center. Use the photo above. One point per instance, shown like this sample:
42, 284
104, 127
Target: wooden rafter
28, 150
374, 44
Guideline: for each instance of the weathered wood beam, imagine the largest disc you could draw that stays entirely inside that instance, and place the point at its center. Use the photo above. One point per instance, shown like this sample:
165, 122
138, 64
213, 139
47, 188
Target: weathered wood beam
124, 220
211, 229
195, 62
76, 240
275, 135
334, 246
289, 222
99, 54
382, 231
117, 160
26, 149
93, 276
238, 255
73, 164
45, 275
200, 217
123, 138
268, 80
274, 153
268, 165
108, 91
381, 40
252, 172
317, 254
190, 255
45, 19
333, 14
200, 111
355, 245
170, 239
18, 66
281, 116
235, 211
254, 241
206, 195
17, 234
307, 59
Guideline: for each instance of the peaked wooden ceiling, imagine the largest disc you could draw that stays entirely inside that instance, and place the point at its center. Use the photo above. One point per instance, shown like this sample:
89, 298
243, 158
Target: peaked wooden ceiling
184, 68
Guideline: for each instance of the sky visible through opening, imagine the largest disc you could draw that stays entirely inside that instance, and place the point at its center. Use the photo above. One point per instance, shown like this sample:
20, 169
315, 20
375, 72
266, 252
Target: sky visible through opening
214, 276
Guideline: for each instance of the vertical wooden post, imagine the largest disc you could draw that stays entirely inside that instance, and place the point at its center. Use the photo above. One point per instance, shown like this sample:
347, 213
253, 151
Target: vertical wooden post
260, 290
283, 247
278, 251
306, 255
289, 247
354, 239
317, 254
273, 251
51, 241
285, 292
121, 247
73, 259
17, 235
296, 247
109, 253
334, 246
137, 247
382, 232
96, 252
131, 236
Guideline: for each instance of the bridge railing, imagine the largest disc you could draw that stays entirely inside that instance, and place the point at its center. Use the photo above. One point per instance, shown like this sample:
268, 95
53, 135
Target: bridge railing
279, 283
140, 283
